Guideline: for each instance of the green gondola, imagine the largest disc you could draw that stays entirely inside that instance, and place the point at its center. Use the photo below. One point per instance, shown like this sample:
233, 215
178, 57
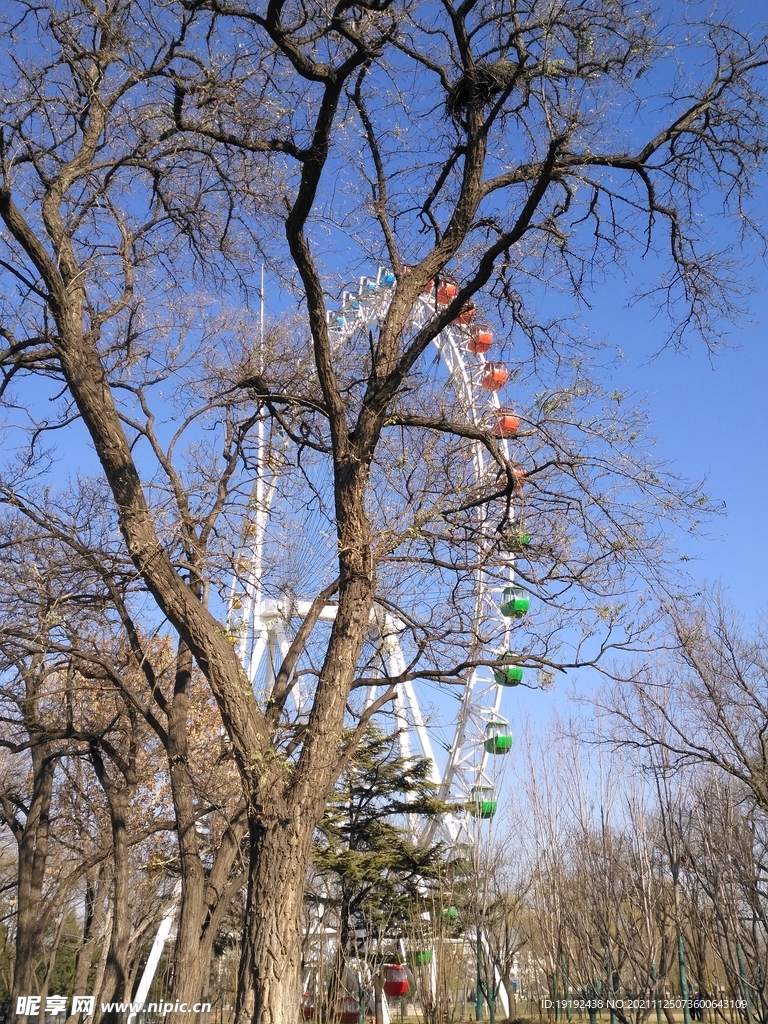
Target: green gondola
484, 802
514, 602
516, 541
498, 737
508, 672
420, 957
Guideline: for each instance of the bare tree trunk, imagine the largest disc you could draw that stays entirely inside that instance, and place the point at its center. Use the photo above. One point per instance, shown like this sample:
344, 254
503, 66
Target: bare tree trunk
33, 840
190, 966
116, 970
204, 896
378, 989
50, 952
269, 977
101, 966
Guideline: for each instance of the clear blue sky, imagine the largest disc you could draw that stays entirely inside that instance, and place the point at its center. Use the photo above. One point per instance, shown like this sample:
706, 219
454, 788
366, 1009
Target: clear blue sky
709, 416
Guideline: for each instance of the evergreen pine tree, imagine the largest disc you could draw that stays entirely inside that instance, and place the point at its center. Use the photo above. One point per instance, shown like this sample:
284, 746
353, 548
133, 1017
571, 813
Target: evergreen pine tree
371, 867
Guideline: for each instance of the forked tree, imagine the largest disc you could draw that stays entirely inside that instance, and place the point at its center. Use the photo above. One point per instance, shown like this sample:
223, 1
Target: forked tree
151, 151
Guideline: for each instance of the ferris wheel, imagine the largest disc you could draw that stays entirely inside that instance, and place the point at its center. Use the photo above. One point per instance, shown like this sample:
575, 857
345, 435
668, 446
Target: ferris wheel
290, 540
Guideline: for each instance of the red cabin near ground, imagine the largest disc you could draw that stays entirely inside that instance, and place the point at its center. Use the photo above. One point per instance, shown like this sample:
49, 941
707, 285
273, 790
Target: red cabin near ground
395, 981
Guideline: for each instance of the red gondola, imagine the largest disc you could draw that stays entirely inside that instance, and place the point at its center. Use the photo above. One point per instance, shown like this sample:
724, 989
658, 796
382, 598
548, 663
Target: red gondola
350, 1010
395, 981
446, 292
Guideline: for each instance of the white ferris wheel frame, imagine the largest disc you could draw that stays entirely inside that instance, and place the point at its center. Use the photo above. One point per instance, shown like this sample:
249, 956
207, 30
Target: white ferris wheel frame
258, 625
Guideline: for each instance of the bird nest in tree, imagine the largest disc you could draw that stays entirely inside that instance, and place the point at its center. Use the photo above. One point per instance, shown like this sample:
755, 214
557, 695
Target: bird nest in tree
483, 82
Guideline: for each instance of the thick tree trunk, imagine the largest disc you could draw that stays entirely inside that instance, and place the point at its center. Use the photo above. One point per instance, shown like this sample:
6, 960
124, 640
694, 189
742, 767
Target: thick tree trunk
269, 979
204, 895
116, 971
192, 957
378, 989
190, 967
33, 838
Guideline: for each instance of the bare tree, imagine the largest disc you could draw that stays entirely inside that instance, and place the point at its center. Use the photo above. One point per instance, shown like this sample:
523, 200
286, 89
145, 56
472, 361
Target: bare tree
701, 714
507, 880
726, 853
170, 144
708, 704
84, 630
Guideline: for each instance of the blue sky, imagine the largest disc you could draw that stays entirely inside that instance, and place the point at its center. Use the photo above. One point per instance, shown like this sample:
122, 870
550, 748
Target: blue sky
710, 416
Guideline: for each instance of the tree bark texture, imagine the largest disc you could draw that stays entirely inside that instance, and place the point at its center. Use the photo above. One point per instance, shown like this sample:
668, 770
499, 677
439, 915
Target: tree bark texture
190, 965
116, 970
33, 843
270, 966
95, 907
205, 895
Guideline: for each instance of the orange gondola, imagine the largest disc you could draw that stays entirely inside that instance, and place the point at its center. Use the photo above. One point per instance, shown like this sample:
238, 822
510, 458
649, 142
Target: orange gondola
495, 376
468, 311
446, 291
480, 339
506, 423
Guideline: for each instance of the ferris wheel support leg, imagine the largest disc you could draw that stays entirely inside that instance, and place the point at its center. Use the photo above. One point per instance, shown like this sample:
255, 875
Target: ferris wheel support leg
405, 700
162, 936
503, 995
378, 667
258, 653
483, 950
421, 731
403, 733
278, 649
410, 720
394, 663
503, 998
271, 665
